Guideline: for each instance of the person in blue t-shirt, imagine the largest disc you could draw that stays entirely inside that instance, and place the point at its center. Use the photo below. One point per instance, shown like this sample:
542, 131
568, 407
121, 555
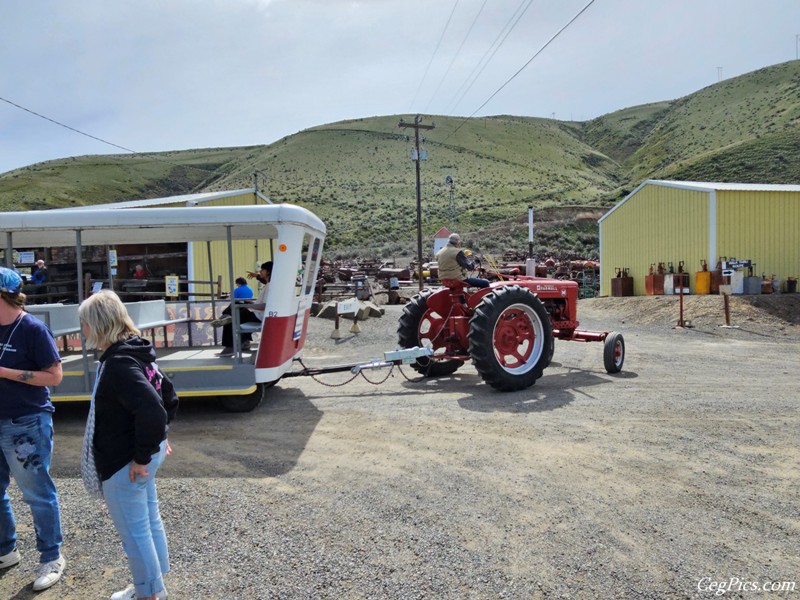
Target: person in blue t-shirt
242, 291
245, 314
29, 362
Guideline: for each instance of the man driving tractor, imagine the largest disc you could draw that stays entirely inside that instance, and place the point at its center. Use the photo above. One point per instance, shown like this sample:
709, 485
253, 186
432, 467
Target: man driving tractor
454, 262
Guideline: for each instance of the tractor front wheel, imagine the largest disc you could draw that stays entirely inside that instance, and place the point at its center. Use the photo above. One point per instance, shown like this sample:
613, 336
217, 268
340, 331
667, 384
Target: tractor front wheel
425, 328
510, 338
614, 352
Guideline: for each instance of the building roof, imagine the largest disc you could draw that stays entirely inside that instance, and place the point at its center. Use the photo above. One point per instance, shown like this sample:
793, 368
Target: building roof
728, 187
708, 186
444, 232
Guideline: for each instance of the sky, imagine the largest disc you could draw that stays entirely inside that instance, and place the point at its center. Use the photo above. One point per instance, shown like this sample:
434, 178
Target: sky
178, 74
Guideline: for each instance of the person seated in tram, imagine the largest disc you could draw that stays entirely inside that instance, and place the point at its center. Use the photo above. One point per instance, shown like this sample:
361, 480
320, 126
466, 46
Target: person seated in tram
242, 291
246, 315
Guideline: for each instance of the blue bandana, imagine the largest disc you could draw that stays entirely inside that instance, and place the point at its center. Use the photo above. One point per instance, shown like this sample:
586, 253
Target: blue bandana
10, 281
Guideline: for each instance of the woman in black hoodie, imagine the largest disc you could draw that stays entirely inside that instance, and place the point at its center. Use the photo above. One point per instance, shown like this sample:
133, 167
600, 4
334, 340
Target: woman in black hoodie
126, 438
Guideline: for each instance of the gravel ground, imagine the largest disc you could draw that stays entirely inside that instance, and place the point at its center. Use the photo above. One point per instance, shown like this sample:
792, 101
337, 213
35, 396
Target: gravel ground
639, 485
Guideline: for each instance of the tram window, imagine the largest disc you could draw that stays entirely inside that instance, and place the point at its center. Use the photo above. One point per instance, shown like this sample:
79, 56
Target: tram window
301, 267
311, 265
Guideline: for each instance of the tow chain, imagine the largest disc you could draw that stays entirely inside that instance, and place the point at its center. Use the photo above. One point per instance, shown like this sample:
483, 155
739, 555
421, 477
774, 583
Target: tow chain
367, 379
418, 379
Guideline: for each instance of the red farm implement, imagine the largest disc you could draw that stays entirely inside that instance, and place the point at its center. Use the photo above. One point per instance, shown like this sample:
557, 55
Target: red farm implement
507, 330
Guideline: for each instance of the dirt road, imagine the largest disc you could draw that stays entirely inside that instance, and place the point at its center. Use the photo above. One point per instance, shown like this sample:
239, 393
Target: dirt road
660, 482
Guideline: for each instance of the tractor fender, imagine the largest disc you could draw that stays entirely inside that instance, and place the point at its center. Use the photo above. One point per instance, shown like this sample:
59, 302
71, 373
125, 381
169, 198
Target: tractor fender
439, 301
477, 297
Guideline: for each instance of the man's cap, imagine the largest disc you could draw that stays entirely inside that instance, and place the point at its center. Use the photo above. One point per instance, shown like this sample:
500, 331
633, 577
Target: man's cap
454, 238
10, 281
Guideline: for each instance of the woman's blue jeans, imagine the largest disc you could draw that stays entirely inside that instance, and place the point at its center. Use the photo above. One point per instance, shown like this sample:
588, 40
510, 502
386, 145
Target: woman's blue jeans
134, 510
27, 445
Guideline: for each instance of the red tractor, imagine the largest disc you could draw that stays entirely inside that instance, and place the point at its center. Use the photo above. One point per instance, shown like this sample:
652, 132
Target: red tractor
507, 329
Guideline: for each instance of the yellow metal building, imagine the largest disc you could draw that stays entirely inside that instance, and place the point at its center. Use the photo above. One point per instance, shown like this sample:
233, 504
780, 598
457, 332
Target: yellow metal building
673, 221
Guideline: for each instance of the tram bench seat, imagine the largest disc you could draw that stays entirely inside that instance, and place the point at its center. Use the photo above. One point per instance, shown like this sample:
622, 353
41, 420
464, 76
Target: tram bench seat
152, 314
251, 326
62, 319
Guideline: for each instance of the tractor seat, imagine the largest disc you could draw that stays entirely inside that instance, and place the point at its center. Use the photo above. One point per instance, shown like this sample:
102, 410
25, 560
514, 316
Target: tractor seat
454, 284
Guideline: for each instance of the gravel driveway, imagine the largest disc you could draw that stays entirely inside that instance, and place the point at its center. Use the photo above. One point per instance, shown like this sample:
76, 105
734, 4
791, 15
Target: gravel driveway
677, 474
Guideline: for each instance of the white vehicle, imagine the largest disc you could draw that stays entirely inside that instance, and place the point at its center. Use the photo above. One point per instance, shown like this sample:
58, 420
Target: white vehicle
294, 235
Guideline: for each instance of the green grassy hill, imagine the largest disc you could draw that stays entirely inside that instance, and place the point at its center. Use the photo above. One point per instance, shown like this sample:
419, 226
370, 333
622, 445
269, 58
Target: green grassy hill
358, 177
757, 111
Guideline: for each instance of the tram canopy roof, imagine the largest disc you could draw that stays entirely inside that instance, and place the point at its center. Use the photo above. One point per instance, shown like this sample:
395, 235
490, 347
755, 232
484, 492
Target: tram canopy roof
104, 226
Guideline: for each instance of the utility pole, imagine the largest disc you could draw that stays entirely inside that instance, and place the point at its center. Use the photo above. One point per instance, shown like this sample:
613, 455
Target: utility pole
417, 125
448, 180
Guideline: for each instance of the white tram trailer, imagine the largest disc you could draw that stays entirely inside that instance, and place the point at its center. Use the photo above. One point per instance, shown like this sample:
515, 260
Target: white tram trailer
295, 236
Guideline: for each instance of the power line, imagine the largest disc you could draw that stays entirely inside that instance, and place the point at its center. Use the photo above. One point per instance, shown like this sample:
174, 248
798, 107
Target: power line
148, 154
94, 137
455, 56
522, 68
453, 102
435, 50
28, 110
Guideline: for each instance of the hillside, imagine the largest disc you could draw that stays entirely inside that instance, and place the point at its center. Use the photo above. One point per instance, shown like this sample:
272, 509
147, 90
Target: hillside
757, 111
358, 176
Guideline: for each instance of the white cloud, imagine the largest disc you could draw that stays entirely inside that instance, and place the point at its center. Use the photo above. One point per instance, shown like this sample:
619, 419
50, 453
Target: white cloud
204, 73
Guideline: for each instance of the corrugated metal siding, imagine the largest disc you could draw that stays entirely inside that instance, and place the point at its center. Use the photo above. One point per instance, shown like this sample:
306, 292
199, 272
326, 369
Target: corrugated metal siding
240, 200
247, 256
657, 224
763, 227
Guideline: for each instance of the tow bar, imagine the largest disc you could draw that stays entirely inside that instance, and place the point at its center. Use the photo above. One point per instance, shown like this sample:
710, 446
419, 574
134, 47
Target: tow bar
405, 356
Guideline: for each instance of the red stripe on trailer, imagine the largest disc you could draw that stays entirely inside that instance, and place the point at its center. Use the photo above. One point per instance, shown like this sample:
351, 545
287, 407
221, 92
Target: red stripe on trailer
277, 346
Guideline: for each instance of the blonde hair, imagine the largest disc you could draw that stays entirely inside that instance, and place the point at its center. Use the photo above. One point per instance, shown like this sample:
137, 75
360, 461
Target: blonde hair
107, 318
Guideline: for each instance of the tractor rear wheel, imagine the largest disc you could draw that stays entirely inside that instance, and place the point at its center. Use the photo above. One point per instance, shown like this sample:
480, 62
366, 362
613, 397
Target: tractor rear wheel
551, 350
510, 338
421, 327
614, 352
